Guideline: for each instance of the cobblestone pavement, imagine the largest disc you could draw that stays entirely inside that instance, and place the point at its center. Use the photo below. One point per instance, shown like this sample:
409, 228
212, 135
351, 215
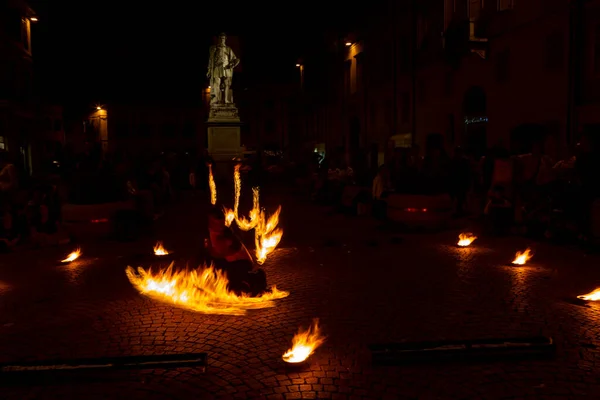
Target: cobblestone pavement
365, 284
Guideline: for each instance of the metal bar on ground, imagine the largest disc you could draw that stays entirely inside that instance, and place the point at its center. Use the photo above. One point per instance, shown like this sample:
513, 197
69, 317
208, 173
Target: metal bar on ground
451, 350
109, 363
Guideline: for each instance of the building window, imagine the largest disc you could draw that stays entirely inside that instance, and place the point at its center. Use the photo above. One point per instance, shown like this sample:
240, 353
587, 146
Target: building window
502, 66
449, 10
2, 143
555, 48
505, 5
475, 7
405, 113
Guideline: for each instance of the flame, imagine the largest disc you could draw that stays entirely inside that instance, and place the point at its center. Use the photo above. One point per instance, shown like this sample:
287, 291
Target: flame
522, 258
237, 184
73, 256
304, 343
159, 250
267, 235
229, 216
212, 186
592, 296
203, 290
247, 224
465, 239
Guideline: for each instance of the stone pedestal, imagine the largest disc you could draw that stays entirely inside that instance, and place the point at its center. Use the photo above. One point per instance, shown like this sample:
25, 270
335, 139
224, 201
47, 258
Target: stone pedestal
224, 137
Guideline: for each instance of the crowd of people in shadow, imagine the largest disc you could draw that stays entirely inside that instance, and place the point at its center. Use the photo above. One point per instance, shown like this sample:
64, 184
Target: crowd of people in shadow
523, 191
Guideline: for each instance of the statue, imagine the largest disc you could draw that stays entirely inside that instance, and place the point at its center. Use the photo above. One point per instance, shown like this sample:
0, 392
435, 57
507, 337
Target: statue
221, 63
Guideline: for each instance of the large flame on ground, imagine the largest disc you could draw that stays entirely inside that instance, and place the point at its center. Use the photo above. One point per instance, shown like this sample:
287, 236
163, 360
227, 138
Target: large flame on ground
592, 296
72, 256
266, 233
522, 258
203, 290
212, 186
465, 239
304, 343
160, 250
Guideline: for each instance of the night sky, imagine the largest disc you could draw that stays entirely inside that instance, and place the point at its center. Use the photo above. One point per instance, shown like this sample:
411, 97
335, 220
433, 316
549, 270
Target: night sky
118, 51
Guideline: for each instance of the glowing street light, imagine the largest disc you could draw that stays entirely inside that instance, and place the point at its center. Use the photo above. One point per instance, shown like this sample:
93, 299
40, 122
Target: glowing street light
98, 108
298, 65
348, 44
33, 19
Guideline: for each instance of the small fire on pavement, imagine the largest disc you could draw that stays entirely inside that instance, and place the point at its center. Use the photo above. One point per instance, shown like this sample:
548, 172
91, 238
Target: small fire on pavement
304, 344
203, 290
522, 258
266, 233
591, 296
212, 186
72, 256
465, 239
159, 249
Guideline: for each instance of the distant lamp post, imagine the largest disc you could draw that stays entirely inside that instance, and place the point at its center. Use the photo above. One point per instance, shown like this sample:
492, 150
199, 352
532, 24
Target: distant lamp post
298, 65
33, 19
348, 44
98, 108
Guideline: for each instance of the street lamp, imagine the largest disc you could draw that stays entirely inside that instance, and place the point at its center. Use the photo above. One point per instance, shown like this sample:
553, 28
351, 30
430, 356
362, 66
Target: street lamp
33, 19
348, 44
98, 108
298, 65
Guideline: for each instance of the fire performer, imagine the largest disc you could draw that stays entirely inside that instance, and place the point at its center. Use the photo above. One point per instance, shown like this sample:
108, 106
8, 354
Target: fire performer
226, 252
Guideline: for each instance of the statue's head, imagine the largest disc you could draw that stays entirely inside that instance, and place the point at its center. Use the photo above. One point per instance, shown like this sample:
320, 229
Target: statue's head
222, 38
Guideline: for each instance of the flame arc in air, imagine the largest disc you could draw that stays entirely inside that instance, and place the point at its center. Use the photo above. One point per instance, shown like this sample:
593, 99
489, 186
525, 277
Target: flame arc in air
304, 343
203, 290
212, 186
267, 235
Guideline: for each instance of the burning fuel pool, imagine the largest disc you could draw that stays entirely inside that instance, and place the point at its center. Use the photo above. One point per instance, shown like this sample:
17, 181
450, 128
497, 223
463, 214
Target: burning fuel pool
160, 250
521, 258
202, 290
72, 256
304, 344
